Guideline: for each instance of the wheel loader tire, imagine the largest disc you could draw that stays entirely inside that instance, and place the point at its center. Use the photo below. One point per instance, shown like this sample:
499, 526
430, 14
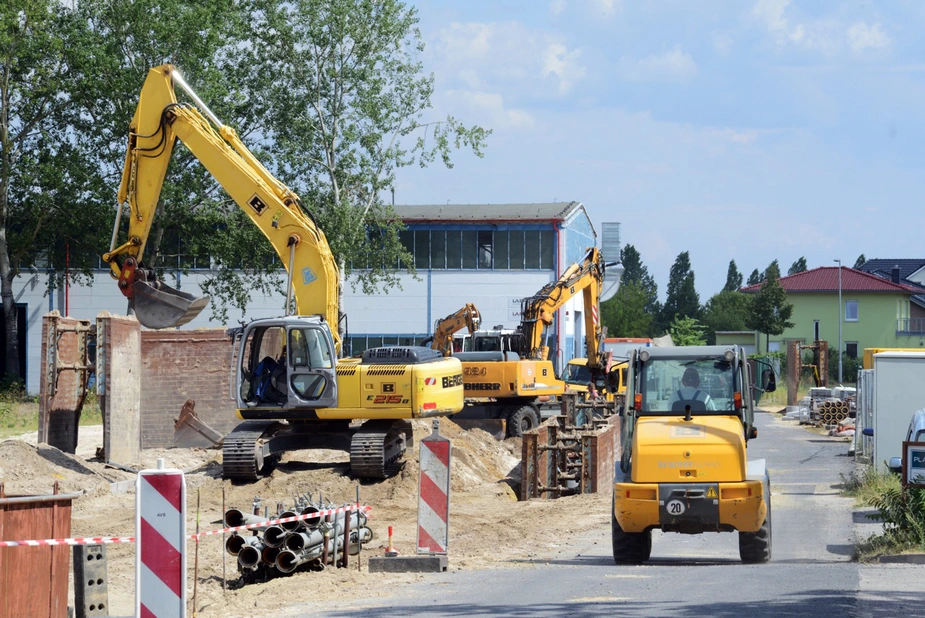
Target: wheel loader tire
755, 547
630, 547
521, 419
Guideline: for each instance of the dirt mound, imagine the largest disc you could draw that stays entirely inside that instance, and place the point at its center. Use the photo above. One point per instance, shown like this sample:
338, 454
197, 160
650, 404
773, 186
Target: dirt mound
31, 470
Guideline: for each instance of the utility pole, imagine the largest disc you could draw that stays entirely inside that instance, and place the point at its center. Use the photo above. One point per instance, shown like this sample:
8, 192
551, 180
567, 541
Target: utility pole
840, 316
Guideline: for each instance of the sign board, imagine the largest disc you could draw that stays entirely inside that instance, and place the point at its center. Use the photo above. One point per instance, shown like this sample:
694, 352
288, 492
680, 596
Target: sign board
160, 543
914, 464
434, 494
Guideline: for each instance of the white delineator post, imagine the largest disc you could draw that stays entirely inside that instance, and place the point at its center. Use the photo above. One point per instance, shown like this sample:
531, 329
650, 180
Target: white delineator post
434, 494
160, 553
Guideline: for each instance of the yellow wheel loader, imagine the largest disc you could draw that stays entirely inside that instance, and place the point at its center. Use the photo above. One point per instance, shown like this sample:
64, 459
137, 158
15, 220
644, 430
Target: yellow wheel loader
689, 416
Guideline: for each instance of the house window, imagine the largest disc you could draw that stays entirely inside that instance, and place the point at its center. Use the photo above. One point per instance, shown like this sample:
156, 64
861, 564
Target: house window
851, 311
815, 330
851, 349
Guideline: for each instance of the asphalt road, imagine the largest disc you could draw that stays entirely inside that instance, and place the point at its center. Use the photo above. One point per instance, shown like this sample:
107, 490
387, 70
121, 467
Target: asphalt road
811, 572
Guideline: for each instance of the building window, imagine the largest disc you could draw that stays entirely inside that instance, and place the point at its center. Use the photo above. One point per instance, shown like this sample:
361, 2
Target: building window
406, 237
815, 330
517, 249
851, 349
532, 249
453, 249
438, 249
501, 250
485, 248
422, 249
547, 261
470, 249
851, 311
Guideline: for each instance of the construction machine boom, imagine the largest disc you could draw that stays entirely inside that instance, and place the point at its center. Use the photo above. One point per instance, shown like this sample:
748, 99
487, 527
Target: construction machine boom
466, 317
291, 388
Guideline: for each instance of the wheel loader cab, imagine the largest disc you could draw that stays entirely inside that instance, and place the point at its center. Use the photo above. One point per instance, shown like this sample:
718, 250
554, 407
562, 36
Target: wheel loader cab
287, 363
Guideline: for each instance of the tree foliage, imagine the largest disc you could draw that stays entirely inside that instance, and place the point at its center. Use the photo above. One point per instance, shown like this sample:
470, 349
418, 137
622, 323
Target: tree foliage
687, 331
635, 272
799, 266
770, 312
860, 261
347, 104
733, 278
682, 299
625, 314
754, 278
726, 311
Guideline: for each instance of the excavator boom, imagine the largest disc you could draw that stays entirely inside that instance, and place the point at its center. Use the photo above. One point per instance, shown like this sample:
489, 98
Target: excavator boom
467, 317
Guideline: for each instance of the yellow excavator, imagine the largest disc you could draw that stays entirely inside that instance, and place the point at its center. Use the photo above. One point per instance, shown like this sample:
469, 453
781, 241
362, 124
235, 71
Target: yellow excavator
511, 384
466, 317
292, 390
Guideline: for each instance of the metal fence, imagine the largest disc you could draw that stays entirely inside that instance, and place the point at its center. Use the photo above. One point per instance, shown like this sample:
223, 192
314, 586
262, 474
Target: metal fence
864, 445
910, 326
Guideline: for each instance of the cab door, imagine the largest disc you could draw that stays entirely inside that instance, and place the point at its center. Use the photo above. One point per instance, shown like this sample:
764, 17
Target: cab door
311, 360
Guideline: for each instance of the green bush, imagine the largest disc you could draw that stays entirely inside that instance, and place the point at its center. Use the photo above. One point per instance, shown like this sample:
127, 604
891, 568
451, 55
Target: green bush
849, 368
903, 515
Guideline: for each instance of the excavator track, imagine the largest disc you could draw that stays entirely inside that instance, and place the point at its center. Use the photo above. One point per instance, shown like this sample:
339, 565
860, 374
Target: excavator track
377, 447
239, 452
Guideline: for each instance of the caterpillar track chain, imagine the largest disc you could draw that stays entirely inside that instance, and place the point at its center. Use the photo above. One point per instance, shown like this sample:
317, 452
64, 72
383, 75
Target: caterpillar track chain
377, 447
241, 458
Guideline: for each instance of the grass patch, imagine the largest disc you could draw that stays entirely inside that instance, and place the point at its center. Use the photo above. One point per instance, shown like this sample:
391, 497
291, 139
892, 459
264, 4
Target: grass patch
901, 511
19, 412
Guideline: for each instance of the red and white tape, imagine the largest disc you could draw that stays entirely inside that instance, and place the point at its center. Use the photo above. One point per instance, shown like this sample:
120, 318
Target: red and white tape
102, 540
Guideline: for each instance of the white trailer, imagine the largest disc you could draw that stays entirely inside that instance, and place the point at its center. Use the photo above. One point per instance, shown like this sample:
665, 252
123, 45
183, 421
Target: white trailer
898, 392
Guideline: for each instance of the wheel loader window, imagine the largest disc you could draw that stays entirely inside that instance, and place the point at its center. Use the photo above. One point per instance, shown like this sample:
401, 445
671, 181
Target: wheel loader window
668, 384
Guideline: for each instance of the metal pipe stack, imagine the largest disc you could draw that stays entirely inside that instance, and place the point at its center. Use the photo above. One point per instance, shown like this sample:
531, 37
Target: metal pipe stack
281, 549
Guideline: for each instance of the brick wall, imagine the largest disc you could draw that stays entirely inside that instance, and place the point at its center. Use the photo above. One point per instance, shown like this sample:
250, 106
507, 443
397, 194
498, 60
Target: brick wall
118, 370
177, 365
61, 393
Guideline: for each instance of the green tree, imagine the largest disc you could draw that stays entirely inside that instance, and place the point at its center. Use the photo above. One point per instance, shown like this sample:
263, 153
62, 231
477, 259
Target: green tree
346, 105
770, 312
687, 331
727, 310
754, 278
682, 299
798, 266
625, 314
860, 261
46, 184
636, 272
733, 278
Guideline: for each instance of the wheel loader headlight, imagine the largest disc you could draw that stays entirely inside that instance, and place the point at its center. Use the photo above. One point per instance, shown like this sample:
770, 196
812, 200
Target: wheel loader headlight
730, 355
643, 355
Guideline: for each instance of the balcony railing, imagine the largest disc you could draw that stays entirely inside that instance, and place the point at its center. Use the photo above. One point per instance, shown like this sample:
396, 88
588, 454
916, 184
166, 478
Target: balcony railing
910, 326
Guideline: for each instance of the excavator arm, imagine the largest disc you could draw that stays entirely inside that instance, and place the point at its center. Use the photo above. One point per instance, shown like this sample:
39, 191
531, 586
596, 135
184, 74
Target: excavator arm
466, 317
158, 122
585, 277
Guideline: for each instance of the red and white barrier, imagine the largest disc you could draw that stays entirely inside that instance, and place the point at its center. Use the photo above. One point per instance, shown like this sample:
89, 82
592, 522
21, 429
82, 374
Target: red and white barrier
160, 556
100, 540
434, 494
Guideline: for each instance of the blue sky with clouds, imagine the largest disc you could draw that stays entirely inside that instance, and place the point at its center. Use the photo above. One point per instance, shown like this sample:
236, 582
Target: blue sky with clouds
747, 130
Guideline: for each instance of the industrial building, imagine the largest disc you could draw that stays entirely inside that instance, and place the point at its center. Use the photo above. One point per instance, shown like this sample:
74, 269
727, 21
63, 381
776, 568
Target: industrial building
488, 254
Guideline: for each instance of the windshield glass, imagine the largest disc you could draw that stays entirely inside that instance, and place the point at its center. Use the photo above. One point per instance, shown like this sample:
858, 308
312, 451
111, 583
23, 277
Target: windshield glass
669, 385
577, 374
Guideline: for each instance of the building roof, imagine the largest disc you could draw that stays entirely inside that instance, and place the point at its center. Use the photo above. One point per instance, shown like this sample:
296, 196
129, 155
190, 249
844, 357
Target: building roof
825, 279
883, 267
556, 211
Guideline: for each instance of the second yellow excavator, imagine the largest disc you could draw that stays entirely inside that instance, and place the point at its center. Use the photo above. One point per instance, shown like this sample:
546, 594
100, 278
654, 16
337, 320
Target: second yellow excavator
292, 390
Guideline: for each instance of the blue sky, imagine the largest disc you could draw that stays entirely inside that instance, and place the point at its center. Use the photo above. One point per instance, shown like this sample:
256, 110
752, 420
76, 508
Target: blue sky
752, 130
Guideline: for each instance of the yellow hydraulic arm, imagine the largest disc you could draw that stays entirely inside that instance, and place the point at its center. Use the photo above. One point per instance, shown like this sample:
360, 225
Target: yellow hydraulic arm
158, 122
466, 317
538, 311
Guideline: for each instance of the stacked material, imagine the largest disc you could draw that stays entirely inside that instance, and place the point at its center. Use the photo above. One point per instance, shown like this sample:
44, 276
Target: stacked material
310, 543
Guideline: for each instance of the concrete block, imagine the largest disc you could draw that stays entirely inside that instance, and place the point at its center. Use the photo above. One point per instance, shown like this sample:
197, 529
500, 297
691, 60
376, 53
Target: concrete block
408, 564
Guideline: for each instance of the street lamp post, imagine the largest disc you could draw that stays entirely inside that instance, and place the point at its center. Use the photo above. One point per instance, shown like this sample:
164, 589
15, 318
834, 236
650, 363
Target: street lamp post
839, 320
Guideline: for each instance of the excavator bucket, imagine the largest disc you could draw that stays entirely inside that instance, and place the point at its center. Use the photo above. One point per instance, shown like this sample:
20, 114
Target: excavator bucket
158, 305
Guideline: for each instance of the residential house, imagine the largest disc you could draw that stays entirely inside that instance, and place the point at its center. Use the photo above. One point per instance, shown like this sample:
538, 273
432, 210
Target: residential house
873, 313
908, 272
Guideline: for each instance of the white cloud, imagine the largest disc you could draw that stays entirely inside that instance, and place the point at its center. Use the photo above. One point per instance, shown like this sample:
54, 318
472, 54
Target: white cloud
556, 7
607, 8
506, 57
672, 66
489, 109
862, 37
722, 43
564, 64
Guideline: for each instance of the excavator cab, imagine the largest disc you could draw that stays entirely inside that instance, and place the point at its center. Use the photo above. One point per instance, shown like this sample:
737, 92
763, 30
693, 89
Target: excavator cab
287, 363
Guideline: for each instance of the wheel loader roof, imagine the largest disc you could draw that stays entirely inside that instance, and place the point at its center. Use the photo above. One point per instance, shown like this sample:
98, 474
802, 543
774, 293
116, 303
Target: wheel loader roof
690, 351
